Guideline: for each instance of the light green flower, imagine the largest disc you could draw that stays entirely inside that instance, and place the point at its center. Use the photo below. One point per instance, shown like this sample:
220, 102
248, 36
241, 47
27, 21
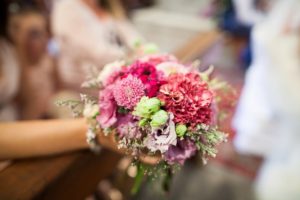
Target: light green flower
181, 130
147, 107
160, 118
143, 122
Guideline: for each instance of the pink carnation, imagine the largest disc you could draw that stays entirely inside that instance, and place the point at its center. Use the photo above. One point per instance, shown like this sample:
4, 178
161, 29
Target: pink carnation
128, 91
188, 98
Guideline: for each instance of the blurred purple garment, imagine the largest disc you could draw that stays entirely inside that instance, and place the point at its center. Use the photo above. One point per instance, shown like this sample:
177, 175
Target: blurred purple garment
179, 153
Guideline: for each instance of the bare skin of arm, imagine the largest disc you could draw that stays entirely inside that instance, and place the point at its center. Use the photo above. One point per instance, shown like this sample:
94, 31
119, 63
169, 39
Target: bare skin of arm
48, 137
37, 138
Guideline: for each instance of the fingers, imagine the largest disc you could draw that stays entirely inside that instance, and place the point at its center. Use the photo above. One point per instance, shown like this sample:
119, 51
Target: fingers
110, 143
150, 160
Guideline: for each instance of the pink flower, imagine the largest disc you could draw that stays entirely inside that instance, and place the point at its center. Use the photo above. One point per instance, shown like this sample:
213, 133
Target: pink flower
155, 59
110, 72
188, 98
127, 127
147, 73
108, 108
173, 67
128, 91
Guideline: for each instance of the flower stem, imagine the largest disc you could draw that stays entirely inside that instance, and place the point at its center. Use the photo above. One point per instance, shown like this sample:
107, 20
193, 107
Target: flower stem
138, 178
167, 180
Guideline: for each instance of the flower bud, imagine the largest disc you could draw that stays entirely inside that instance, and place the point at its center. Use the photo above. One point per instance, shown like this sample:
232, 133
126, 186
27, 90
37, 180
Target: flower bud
160, 118
147, 107
181, 130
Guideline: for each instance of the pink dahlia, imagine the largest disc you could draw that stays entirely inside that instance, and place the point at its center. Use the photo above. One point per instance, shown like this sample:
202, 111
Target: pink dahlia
188, 98
128, 91
108, 108
147, 73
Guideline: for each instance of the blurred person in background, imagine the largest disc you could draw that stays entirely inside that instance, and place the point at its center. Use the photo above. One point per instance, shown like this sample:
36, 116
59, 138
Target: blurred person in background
268, 114
9, 70
251, 12
89, 34
238, 17
28, 30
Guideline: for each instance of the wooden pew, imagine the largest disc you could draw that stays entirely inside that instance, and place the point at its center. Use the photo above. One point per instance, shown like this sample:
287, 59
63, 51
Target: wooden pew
76, 175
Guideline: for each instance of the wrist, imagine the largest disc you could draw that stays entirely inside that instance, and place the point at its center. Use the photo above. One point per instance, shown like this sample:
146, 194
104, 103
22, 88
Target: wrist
82, 128
92, 140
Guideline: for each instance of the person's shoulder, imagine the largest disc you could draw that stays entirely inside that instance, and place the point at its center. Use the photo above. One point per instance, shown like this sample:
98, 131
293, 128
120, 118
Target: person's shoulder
64, 13
67, 5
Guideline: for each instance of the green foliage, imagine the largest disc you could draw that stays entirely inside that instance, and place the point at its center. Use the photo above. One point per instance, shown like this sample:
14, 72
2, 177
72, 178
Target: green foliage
76, 106
206, 139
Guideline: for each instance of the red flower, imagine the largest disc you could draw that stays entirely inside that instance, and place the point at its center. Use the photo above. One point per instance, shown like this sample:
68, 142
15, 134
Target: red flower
147, 73
188, 98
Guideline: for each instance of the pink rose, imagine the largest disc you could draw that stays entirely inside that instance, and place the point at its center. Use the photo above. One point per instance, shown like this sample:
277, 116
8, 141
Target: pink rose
108, 108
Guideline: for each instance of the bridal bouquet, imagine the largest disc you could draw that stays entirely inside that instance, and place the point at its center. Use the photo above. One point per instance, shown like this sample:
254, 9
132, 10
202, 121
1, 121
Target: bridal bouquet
156, 106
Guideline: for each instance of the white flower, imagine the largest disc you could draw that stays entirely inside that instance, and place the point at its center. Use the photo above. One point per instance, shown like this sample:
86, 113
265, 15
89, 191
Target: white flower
108, 69
162, 138
173, 67
90, 110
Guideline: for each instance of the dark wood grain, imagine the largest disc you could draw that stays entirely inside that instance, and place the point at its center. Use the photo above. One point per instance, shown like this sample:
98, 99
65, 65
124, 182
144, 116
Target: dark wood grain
26, 178
69, 176
82, 176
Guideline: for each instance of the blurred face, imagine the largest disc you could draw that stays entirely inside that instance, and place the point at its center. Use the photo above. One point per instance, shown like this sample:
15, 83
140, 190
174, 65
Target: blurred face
29, 34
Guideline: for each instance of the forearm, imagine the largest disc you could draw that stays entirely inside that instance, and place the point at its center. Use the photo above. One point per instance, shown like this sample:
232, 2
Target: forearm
37, 138
47, 137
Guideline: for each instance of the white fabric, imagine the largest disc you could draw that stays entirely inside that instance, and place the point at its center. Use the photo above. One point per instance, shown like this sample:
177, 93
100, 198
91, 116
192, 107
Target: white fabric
267, 121
247, 13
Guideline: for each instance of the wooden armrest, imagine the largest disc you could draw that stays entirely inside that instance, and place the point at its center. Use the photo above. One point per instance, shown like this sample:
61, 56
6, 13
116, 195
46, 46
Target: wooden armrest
68, 176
